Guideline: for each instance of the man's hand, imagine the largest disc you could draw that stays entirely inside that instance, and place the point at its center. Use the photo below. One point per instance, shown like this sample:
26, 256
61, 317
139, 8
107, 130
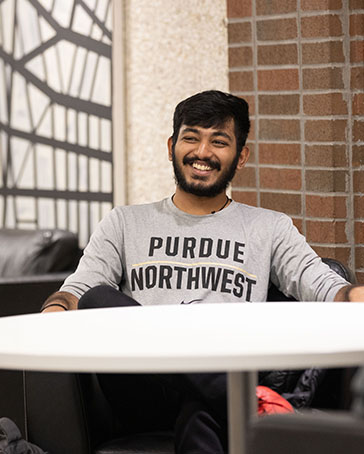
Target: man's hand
351, 293
60, 301
54, 308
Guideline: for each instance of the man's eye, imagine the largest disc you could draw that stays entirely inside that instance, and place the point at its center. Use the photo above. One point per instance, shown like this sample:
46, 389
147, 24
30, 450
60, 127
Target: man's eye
220, 143
190, 139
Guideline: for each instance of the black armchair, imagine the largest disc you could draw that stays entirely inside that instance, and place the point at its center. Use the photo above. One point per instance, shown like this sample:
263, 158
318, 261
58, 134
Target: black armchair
33, 264
66, 412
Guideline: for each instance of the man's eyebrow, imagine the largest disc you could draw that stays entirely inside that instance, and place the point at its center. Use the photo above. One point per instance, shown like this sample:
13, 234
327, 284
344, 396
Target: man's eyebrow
190, 129
214, 134
223, 134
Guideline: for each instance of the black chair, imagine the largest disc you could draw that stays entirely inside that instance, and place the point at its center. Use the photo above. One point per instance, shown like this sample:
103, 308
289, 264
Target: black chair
33, 265
313, 432
68, 412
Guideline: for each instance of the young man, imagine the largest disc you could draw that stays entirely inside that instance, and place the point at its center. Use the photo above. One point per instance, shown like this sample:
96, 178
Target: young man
195, 247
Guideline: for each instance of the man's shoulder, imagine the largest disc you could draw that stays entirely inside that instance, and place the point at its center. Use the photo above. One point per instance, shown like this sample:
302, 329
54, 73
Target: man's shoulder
139, 208
137, 211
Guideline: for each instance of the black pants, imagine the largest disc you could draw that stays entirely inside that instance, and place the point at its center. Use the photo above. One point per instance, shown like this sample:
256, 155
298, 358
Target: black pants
193, 404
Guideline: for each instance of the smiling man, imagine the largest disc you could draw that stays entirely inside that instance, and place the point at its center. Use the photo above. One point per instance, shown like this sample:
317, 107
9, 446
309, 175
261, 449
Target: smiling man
206, 152
205, 160
197, 246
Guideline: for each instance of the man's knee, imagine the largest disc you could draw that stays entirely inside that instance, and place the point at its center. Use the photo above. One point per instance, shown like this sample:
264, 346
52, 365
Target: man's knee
103, 296
197, 432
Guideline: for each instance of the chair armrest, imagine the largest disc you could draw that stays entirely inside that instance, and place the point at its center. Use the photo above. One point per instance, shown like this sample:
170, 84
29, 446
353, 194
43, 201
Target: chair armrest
66, 412
314, 433
26, 295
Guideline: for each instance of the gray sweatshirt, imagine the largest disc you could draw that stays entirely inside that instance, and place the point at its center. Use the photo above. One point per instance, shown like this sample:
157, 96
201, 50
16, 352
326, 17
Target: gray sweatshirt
160, 255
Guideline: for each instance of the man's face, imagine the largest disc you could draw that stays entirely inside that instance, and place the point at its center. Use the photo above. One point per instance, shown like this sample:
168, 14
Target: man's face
205, 159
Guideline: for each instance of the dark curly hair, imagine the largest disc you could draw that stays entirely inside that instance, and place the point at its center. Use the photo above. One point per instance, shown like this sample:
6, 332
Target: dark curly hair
213, 108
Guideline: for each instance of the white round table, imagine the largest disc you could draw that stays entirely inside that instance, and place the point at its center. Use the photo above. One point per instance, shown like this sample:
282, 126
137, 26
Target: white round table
232, 338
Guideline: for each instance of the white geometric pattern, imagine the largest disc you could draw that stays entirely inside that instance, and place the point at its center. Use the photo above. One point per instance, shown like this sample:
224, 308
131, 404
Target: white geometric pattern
55, 113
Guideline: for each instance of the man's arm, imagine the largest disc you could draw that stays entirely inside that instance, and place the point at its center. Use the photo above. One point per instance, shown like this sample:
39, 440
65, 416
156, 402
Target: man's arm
351, 293
60, 301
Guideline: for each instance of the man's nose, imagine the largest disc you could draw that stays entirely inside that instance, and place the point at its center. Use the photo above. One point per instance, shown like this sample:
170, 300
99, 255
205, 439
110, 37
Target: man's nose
203, 149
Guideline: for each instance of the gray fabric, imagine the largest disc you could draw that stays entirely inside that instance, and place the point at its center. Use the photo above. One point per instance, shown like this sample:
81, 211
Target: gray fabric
11, 441
161, 255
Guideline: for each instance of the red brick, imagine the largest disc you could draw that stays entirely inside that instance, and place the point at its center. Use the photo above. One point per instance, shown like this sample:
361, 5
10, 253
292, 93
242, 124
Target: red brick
298, 223
360, 277
251, 146
321, 26
237, 8
326, 180
358, 131
252, 129
355, 4
359, 257
322, 78
279, 129
278, 54
278, 79
323, 52
359, 206
279, 104
326, 206
241, 81
250, 99
240, 56
326, 231
358, 104
357, 51
249, 198
359, 232
325, 130
276, 29
324, 104
245, 178
326, 156
275, 7
358, 180
239, 32
273, 178
334, 252
280, 153
357, 24
358, 155
286, 203
357, 78
321, 4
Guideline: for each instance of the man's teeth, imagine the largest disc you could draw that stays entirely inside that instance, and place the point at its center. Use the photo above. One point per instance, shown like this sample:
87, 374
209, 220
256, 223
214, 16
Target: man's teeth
200, 166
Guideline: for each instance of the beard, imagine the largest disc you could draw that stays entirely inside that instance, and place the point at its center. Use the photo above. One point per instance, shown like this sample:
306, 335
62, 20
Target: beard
197, 187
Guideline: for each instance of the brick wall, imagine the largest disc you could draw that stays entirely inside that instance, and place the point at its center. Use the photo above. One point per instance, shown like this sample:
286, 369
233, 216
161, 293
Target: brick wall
300, 65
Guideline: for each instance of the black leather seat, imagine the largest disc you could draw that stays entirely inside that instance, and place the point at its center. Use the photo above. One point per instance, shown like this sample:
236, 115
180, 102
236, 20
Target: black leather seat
33, 264
84, 423
151, 443
307, 433
64, 412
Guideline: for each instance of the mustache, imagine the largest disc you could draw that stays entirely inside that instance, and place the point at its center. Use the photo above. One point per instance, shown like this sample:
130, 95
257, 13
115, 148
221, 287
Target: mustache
209, 162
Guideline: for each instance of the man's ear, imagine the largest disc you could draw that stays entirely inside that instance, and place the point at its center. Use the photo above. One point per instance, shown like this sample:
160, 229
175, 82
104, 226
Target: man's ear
170, 146
243, 157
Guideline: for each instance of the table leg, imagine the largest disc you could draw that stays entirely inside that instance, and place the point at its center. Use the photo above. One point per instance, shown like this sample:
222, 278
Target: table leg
242, 407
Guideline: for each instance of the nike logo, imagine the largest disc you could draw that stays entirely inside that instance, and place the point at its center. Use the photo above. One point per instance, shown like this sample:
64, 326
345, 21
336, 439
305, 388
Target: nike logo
190, 302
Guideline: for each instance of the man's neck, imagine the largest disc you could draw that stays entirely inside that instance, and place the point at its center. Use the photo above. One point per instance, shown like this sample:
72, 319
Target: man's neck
192, 204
